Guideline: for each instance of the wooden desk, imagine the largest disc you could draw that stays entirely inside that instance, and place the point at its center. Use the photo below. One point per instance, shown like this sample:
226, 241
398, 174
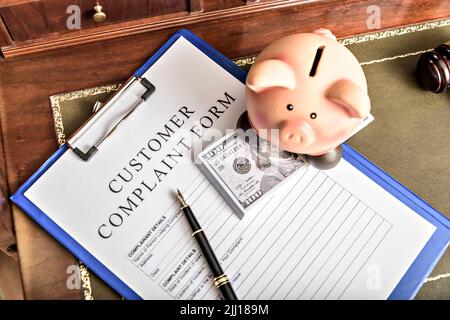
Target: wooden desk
27, 81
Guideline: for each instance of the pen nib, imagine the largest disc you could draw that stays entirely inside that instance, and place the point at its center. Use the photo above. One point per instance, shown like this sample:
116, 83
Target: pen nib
181, 199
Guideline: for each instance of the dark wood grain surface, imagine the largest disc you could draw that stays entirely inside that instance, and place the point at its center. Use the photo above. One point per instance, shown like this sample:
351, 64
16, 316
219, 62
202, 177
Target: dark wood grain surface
26, 82
30, 20
246, 29
7, 238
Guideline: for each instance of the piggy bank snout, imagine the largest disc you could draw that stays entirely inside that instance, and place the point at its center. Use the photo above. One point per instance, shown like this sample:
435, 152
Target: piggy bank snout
298, 134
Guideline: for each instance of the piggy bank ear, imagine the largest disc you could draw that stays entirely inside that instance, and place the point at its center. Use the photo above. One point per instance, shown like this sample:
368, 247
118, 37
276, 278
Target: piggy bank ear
351, 97
326, 33
270, 73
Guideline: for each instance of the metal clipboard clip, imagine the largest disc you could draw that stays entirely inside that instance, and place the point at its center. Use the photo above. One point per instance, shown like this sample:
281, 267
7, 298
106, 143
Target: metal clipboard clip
86, 141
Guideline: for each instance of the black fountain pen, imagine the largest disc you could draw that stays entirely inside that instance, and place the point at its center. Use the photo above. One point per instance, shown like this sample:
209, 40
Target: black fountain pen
220, 278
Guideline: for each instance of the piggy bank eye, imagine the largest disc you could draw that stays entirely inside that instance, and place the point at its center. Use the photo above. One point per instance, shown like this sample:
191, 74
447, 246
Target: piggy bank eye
313, 115
290, 107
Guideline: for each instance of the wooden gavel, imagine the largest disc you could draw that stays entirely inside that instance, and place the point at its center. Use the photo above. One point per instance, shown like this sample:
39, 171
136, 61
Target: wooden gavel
433, 69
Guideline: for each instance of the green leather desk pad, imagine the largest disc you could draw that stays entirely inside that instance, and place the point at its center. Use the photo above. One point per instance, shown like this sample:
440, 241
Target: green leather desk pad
409, 139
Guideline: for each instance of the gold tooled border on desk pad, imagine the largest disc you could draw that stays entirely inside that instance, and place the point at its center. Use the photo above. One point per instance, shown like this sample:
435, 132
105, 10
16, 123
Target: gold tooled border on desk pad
395, 32
55, 101
409, 54
85, 281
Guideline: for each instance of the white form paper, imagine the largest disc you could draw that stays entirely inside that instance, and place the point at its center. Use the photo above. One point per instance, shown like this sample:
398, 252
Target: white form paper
323, 235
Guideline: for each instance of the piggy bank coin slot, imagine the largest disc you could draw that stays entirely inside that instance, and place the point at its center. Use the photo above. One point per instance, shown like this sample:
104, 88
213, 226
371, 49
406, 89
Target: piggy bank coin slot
315, 65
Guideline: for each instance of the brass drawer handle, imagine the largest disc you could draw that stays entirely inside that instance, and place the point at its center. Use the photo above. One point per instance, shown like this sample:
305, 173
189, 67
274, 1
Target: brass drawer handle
99, 15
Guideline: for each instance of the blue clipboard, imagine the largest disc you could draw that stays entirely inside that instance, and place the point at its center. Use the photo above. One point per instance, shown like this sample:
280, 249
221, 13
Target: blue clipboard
406, 288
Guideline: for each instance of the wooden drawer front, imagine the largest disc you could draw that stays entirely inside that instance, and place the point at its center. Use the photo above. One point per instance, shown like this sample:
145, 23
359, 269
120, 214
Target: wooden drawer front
31, 20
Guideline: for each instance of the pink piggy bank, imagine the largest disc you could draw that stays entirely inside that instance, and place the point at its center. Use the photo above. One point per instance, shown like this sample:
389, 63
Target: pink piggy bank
313, 90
